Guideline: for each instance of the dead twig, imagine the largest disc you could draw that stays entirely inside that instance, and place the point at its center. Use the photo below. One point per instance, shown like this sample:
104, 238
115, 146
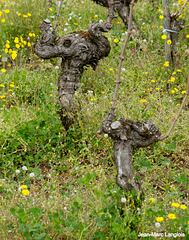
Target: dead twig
122, 57
179, 13
57, 15
185, 26
181, 107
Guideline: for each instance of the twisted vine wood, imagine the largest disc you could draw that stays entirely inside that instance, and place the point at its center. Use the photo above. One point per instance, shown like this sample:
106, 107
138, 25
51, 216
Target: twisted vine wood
77, 50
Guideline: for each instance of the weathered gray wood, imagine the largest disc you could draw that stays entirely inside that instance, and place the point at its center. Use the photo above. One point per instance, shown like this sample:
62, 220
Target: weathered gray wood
128, 135
172, 28
176, 26
122, 7
77, 49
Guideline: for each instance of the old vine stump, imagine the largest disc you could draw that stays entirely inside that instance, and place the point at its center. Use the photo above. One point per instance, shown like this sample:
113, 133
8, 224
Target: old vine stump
77, 50
128, 135
122, 7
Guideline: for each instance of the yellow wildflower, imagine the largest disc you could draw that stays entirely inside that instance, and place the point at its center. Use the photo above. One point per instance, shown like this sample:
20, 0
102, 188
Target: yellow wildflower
29, 44
163, 36
14, 54
166, 64
174, 73
2, 85
183, 92
159, 219
11, 85
159, 10
187, 36
2, 98
25, 16
17, 45
175, 204
183, 206
6, 50
161, 17
1, 13
30, 34
152, 199
3, 70
173, 91
50, 9
143, 100
16, 40
171, 216
116, 40
153, 81
33, 34
23, 186
3, 20
21, 39
7, 45
29, 14
19, 14
168, 42
178, 70
172, 79
25, 192
7, 11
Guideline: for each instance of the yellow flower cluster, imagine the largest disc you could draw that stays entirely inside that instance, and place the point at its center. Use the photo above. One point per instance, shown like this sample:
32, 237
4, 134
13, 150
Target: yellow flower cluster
171, 216
166, 64
116, 40
159, 219
143, 101
25, 191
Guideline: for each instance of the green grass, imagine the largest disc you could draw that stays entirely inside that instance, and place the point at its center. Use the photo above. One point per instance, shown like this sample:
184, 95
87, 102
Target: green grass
73, 194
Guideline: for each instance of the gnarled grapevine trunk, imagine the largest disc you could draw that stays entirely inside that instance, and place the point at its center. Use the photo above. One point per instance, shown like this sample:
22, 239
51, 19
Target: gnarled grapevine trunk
77, 49
128, 135
120, 6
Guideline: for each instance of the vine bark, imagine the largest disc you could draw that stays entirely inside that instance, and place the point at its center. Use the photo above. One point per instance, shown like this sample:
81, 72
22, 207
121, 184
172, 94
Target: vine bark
77, 50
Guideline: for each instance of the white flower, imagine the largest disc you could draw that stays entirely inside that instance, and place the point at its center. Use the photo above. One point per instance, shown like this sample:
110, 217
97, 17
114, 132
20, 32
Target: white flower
32, 174
57, 67
138, 210
76, 168
90, 91
58, 3
105, 135
51, 84
17, 171
123, 200
65, 29
144, 40
24, 168
123, 69
100, 21
157, 225
65, 208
